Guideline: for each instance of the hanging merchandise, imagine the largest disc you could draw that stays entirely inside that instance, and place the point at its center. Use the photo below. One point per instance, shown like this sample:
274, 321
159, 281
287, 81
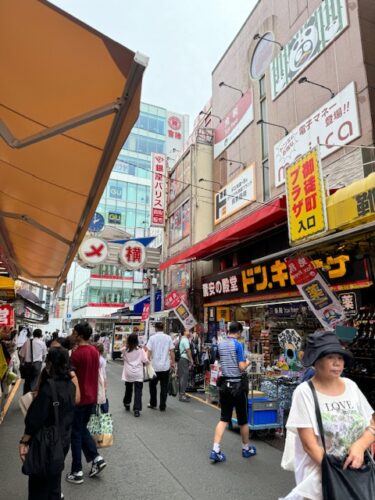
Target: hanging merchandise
316, 292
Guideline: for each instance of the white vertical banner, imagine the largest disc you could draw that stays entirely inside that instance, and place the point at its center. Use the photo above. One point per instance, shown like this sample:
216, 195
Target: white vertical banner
158, 190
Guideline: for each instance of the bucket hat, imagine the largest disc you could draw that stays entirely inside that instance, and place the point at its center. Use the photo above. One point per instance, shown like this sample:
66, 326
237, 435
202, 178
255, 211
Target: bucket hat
321, 343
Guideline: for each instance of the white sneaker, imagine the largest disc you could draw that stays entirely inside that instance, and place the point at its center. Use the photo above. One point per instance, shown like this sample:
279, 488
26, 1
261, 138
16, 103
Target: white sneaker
97, 466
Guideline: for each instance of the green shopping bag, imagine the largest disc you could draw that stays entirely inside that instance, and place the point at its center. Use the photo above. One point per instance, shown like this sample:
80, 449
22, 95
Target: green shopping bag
100, 427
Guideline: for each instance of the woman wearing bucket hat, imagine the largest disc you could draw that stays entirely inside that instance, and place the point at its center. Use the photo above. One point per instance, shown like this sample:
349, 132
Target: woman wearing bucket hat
349, 426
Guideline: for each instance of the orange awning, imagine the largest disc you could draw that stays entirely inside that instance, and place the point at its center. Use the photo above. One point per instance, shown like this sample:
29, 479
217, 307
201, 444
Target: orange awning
69, 97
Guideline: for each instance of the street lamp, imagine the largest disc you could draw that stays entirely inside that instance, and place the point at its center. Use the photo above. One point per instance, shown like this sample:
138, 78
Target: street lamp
262, 37
261, 121
223, 84
305, 80
233, 161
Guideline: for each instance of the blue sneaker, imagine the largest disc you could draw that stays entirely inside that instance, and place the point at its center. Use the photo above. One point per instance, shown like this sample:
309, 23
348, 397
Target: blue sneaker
250, 452
217, 457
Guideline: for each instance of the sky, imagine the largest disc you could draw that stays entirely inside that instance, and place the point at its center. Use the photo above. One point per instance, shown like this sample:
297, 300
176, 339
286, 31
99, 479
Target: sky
184, 40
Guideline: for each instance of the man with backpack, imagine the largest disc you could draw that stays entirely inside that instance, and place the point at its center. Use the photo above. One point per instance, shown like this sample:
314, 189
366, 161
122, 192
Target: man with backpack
184, 364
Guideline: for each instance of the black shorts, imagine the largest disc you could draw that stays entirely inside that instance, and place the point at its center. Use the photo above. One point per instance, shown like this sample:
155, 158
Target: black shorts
231, 397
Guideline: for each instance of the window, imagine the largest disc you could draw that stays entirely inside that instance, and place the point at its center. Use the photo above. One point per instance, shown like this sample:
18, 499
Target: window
179, 223
151, 123
133, 166
264, 139
145, 145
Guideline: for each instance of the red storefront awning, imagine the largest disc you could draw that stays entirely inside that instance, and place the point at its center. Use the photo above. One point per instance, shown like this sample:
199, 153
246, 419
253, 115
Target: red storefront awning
244, 228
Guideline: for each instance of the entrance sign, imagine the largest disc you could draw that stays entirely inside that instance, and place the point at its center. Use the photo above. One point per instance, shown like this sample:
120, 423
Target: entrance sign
325, 24
333, 125
307, 215
321, 300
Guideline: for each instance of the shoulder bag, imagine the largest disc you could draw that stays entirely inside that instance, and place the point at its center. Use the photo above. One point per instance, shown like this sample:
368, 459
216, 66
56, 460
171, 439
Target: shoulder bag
46, 455
28, 370
148, 372
337, 483
100, 427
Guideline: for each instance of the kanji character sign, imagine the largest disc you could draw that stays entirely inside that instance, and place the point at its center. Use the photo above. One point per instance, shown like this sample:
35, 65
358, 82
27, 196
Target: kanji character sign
132, 255
93, 251
305, 198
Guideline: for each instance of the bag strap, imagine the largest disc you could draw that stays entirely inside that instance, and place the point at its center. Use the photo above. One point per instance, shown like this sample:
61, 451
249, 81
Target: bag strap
55, 401
318, 414
31, 348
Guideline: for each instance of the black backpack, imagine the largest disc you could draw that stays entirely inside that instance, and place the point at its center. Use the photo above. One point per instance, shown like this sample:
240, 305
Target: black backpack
177, 354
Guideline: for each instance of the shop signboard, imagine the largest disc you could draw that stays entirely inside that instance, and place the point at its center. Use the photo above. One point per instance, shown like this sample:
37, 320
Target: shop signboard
114, 218
132, 255
270, 279
262, 56
7, 288
174, 301
234, 122
236, 195
93, 251
159, 172
348, 301
352, 205
316, 292
333, 125
6, 316
307, 214
325, 24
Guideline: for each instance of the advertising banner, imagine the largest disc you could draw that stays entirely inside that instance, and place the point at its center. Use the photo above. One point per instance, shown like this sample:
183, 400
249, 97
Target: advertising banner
235, 195
174, 301
305, 196
234, 123
158, 190
333, 125
145, 312
325, 24
6, 316
316, 292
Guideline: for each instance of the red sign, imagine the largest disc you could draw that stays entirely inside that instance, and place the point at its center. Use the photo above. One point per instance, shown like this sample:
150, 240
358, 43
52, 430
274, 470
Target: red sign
174, 122
6, 316
145, 312
172, 300
158, 190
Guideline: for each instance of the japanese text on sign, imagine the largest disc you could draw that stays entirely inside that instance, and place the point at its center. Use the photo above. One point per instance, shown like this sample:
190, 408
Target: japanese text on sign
132, 255
158, 190
305, 198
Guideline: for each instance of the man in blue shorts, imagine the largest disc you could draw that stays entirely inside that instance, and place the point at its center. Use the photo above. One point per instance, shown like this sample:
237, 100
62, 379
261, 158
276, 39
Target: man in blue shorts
233, 392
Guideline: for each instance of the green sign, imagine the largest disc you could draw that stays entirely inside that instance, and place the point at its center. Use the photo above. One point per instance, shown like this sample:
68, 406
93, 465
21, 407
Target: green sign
114, 218
323, 27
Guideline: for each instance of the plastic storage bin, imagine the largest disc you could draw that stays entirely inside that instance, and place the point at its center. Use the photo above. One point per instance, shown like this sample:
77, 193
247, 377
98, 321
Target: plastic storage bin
262, 411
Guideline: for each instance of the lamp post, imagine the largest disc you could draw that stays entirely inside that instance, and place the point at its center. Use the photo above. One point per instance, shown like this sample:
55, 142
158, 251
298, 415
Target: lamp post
260, 122
305, 80
223, 84
262, 37
210, 114
208, 180
232, 161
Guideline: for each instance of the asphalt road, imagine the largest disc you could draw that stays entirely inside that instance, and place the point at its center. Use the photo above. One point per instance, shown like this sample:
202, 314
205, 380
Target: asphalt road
158, 456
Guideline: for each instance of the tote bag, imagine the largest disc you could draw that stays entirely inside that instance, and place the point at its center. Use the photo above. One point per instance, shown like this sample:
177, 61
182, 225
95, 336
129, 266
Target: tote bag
148, 372
100, 427
340, 484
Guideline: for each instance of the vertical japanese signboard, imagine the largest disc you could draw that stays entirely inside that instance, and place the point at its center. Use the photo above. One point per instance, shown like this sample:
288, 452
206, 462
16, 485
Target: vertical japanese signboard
6, 316
319, 297
325, 24
158, 190
181, 310
305, 195
145, 312
333, 125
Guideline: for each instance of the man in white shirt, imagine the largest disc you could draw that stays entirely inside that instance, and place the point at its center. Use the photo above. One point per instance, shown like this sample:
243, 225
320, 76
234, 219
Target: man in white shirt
32, 354
161, 354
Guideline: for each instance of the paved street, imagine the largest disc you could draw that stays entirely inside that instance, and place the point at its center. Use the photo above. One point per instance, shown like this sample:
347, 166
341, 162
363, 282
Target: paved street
158, 456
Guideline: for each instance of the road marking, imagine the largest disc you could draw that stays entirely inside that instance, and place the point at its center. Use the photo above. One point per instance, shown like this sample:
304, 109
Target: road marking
204, 402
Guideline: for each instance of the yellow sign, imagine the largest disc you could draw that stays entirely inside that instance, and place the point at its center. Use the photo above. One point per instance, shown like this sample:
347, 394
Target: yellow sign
7, 288
223, 313
352, 205
307, 217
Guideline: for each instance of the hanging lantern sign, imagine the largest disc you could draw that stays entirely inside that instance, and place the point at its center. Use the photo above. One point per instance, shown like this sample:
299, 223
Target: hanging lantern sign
93, 251
132, 255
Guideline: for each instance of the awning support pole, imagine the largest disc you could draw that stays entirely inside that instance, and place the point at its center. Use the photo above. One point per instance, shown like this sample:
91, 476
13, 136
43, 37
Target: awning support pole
15, 143
32, 222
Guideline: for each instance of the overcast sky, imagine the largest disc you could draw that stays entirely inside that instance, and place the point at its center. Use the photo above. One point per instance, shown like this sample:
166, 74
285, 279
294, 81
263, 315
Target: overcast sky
184, 40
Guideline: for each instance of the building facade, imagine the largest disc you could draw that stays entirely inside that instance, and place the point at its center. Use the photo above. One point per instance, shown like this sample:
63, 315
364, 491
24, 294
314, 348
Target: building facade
95, 294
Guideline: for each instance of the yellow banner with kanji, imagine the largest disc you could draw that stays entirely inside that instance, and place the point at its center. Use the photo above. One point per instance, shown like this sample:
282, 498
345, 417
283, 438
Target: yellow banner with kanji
307, 215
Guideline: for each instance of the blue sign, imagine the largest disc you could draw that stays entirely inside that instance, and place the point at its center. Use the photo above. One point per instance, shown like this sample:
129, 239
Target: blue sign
115, 192
97, 223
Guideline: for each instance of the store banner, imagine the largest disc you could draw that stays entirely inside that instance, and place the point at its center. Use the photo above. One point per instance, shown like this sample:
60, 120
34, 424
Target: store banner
307, 214
316, 292
6, 316
158, 190
145, 312
325, 24
234, 122
181, 310
236, 195
332, 126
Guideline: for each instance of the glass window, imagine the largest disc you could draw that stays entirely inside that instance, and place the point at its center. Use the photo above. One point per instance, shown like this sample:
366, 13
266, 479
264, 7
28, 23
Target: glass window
262, 87
266, 180
151, 123
130, 218
141, 194
145, 145
131, 192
